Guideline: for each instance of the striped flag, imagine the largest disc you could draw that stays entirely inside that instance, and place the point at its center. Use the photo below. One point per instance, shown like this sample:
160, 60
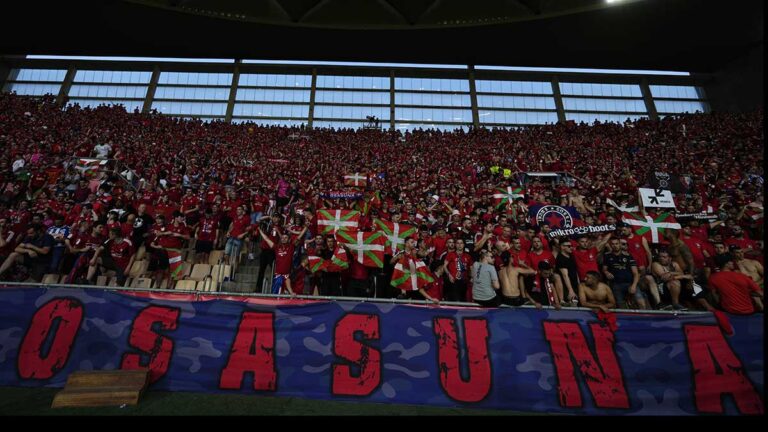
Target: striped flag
175, 263
505, 197
651, 226
368, 247
89, 167
356, 180
330, 221
338, 262
411, 274
396, 234
315, 263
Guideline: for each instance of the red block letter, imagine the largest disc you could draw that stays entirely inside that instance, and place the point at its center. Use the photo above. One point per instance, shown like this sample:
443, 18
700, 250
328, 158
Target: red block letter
32, 361
144, 339
253, 351
478, 384
351, 350
717, 371
603, 376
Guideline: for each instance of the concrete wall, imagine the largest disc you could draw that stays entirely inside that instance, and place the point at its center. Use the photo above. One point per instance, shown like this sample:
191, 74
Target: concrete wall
738, 86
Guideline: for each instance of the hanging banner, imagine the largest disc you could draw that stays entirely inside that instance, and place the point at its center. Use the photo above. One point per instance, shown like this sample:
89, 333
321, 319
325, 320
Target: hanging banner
523, 359
657, 198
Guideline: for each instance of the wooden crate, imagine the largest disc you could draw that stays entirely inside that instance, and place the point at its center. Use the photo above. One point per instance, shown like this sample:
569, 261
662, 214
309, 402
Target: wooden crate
102, 388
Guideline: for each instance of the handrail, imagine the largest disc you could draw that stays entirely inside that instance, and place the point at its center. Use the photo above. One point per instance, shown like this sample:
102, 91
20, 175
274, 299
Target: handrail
4, 284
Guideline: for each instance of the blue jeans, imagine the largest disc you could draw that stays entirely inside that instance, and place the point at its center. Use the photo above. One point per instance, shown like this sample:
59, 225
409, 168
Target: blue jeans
621, 292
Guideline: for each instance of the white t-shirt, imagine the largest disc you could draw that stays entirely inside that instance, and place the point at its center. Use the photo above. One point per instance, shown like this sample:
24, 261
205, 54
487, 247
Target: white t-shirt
102, 151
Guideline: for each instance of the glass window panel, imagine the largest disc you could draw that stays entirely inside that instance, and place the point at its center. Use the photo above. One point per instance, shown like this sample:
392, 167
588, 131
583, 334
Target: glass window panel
527, 87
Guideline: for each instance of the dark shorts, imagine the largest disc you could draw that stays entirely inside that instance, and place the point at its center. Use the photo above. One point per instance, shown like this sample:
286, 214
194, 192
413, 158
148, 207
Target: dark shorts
158, 260
540, 297
494, 302
203, 246
513, 301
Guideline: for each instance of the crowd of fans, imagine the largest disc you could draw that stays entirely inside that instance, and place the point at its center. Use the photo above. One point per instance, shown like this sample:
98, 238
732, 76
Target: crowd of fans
173, 183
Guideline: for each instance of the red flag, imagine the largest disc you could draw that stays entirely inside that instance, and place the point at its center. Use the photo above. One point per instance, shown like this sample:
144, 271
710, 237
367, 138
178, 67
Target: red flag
338, 262
652, 226
356, 180
367, 247
315, 263
396, 234
330, 221
411, 274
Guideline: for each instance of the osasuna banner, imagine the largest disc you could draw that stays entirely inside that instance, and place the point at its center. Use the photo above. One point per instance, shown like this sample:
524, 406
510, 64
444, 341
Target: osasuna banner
516, 359
657, 198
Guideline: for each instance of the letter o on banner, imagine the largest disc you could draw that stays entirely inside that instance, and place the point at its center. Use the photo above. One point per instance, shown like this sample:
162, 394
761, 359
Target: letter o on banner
40, 359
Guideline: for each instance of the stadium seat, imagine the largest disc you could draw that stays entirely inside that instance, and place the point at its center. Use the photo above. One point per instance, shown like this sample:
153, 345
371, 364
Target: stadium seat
102, 280
141, 283
50, 278
200, 272
186, 284
215, 257
220, 272
138, 269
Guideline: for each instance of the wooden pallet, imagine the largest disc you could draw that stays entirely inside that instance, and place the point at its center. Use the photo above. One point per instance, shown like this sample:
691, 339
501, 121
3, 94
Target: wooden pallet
102, 388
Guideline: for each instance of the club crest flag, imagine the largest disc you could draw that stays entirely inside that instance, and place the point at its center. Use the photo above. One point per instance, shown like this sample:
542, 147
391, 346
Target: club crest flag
330, 221
356, 180
366, 247
653, 226
396, 233
411, 274
555, 216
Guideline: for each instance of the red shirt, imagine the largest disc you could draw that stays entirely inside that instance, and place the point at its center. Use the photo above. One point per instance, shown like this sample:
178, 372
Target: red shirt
283, 258
121, 252
697, 250
439, 244
743, 243
239, 225
458, 266
586, 260
734, 290
636, 249
207, 229
534, 259
517, 259
357, 271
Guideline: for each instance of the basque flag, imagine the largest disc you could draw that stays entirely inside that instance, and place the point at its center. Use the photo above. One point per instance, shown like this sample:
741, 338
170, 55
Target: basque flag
367, 247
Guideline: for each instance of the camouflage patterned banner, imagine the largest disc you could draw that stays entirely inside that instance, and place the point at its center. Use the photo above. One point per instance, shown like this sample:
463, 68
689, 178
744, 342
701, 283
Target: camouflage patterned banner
516, 359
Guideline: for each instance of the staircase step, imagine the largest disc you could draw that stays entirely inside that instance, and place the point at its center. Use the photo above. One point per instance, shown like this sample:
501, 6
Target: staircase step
248, 269
91, 397
239, 287
246, 277
119, 378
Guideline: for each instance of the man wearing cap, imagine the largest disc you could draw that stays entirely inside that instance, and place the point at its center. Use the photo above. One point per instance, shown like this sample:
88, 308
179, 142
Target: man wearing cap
736, 292
749, 267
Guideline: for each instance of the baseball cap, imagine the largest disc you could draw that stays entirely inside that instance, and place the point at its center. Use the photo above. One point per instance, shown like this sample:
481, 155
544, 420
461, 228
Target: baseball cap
723, 259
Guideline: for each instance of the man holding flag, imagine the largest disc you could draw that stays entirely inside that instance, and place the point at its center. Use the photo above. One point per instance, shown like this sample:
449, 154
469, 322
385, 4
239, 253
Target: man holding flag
411, 275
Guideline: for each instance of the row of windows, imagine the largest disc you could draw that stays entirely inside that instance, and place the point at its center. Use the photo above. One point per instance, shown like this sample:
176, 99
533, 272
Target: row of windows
676, 92
190, 108
130, 105
432, 84
348, 112
527, 87
114, 77
271, 110
433, 99
351, 97
433, 115
272, 95
269, 122
353, 82
274, 80
444, 127
192, 93
604, 118
195, 78
37, 75
517, 117
592, 89
32, 89
336, 124
610, 105
679, 107
516, 102
105, 91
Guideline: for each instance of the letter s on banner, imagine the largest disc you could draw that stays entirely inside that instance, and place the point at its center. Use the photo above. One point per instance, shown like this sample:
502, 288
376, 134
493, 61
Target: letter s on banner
158, 347
366, 358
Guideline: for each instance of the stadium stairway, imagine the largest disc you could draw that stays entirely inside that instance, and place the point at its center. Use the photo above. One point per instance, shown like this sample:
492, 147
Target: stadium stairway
246, 278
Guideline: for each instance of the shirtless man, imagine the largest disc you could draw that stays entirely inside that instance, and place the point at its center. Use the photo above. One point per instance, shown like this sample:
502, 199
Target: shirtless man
596, 294
511, 275
577, 200
749, 267
668, 275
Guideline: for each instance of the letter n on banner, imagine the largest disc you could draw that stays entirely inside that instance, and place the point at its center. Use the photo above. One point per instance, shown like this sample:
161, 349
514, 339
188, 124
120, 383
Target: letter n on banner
58, 320
603, 376
478, 383
717, 372
366, 359
253, 351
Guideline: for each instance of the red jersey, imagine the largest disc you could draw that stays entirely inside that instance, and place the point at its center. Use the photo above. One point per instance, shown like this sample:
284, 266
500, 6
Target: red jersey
239, 225
586, 260
517, 259
458, 266
206, 230
121, 252
697, 250
735, 290
535, 258
636, 249
283, 258
439, 244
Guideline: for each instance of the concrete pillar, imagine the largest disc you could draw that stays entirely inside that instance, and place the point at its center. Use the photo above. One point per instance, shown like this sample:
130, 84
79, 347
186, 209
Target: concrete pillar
312, 93
65, 86
233, 92
391, 100
473, 97
650, 106
558, 99
151, 90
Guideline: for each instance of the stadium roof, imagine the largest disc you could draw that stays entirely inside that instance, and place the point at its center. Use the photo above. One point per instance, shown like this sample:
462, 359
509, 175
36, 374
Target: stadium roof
689, 35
